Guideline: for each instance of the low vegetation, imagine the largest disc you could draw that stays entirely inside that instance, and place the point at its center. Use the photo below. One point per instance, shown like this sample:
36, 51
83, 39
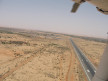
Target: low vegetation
37, 56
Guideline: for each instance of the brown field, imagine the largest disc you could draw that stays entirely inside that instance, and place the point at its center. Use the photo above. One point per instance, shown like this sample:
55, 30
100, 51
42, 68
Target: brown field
37, 56
92, 49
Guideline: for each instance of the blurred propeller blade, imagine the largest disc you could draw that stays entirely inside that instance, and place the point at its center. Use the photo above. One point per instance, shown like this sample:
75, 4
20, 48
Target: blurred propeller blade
75, 7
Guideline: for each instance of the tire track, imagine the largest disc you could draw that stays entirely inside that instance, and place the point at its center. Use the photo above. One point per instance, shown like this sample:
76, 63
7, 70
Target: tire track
9, 60
70, 76
18, 65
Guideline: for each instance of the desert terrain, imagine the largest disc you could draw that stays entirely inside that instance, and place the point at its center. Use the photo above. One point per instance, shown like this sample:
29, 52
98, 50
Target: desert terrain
27, 55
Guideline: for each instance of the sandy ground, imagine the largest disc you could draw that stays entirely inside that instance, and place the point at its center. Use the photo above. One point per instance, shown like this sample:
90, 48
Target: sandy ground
92, 49
38, 58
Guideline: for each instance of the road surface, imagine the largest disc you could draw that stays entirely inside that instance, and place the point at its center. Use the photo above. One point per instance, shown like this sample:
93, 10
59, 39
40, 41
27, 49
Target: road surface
88, 67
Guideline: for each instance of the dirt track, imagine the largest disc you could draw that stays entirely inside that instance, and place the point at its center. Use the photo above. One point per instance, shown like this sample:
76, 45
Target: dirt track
22, 61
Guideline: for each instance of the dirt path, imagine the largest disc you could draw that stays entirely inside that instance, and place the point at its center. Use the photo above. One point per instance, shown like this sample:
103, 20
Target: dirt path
10, 60
70, 76
18, 65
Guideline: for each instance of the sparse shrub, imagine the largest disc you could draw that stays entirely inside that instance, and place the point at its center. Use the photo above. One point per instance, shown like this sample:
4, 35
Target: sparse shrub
17, 54
50, 75
27, 52
52, 44
14, 42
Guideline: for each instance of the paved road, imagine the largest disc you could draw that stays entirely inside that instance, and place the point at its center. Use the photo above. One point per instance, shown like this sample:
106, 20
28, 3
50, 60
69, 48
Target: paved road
88, 67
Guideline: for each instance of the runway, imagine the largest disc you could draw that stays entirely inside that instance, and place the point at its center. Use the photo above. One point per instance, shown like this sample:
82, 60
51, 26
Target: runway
88, 67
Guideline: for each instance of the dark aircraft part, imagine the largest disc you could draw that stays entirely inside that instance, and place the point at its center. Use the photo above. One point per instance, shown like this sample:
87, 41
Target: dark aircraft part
102, 11
101, 5
102, 71
75, 7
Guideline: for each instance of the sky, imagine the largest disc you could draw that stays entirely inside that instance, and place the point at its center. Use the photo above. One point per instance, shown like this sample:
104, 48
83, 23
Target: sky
54, 16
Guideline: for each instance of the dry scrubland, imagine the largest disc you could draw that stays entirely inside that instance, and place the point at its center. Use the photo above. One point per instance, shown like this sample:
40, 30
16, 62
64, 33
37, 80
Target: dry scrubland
92, 49
37, 56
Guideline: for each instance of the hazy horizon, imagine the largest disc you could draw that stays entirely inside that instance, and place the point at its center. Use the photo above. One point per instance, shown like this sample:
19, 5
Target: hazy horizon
53, 16
53, 32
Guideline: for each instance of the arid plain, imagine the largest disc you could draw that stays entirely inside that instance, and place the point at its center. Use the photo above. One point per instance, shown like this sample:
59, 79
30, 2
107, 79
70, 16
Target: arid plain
43, 56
